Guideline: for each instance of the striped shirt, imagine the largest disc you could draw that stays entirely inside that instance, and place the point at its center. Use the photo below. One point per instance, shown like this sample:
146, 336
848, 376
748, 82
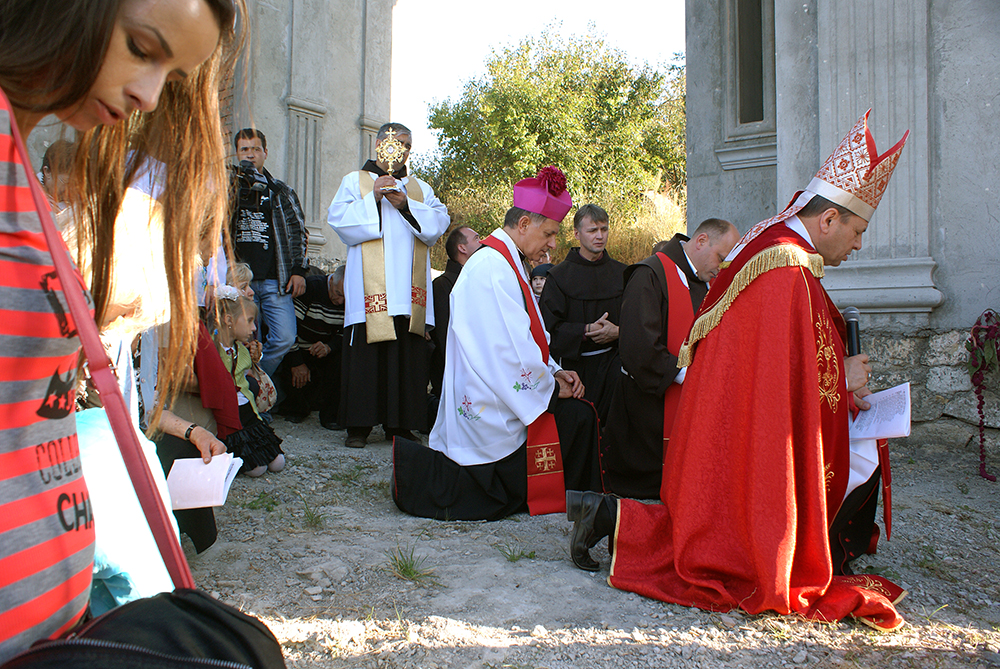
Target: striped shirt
46, 524
317, 319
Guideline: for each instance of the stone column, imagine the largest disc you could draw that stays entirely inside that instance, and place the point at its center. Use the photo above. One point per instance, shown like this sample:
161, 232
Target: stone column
309, 36
375, 73
873, 54
796, 104
305, 165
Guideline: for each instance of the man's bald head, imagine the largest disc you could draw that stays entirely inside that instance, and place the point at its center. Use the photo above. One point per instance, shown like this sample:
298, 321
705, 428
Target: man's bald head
709, 246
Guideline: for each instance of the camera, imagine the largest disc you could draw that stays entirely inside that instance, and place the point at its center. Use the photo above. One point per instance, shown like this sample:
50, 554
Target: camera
250, 178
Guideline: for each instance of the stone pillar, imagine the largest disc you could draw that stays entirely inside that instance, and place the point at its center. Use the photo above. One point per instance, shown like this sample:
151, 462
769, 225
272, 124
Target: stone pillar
796, 104
873, 54
375, 73
307, 115
305, 165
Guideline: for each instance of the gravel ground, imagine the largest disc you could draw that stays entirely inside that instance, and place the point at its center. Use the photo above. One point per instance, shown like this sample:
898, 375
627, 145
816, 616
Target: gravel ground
344, 579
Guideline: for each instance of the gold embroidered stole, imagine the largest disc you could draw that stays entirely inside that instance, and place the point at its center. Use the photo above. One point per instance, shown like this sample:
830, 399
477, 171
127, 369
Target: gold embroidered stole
378, 322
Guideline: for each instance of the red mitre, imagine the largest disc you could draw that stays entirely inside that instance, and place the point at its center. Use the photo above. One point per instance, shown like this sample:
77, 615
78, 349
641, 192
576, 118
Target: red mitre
854, 177
546, 194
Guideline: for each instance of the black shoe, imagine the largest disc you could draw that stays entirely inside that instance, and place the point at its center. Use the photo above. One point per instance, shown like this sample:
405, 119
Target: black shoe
357, 437
295, 419
330, 425
582, 509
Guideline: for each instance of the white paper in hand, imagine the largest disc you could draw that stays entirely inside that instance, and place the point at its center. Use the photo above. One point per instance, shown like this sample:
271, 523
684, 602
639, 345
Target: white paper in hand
194, 485
888, 417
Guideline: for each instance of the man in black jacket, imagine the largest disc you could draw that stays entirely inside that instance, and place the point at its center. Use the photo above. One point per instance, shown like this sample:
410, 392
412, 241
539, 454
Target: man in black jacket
460, 245
269, 234
310, 372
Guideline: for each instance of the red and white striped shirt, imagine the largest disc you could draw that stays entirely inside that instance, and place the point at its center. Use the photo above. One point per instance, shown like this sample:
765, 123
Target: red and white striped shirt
46, 524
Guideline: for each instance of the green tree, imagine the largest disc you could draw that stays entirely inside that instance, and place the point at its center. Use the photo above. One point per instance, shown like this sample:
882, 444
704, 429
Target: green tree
616, 130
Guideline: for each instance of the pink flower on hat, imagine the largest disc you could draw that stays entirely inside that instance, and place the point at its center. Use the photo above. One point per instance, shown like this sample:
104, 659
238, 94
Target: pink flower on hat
554, 179
544, 194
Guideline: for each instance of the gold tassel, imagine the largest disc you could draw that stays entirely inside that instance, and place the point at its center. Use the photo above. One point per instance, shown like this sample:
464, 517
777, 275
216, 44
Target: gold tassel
773, 257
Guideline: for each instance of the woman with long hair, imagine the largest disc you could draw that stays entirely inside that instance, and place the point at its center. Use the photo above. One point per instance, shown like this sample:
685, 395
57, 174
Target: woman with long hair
136, 79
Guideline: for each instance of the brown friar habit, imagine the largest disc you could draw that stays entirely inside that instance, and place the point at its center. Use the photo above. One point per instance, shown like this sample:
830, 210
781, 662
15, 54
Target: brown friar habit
577, 292
633, 436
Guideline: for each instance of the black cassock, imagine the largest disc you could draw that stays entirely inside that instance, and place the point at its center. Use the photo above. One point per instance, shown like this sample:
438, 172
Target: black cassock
426, 483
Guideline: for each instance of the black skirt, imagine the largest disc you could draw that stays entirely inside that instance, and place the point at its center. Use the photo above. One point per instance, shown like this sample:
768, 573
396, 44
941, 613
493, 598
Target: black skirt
256, 443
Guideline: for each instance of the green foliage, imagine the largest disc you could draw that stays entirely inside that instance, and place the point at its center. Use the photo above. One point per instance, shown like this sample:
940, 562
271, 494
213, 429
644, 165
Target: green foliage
615, 129
310, 517
264, 500
351, 475
514, 553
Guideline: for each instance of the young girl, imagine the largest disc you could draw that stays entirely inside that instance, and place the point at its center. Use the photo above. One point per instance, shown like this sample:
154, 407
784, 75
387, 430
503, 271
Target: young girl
256, 443
240, 275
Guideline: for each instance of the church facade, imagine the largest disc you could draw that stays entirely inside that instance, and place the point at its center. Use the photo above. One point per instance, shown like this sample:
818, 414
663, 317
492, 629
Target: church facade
317, 77
772, 86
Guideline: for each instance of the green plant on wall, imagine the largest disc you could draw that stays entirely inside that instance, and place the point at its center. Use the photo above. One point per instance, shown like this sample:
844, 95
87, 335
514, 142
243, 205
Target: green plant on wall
982, 347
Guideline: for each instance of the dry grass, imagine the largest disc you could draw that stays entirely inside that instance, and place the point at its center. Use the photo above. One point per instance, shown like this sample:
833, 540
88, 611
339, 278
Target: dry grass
632, 234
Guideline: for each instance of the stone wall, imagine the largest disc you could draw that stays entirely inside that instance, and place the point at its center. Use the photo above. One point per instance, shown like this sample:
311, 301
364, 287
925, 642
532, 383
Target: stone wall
927, 66
944, 414
317, 82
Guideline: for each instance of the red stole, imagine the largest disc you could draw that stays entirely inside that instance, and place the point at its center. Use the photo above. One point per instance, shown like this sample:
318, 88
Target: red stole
680, 316
546, 486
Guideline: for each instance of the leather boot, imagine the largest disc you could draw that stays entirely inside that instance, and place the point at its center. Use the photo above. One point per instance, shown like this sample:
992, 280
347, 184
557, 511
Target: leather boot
584, 509
357, 437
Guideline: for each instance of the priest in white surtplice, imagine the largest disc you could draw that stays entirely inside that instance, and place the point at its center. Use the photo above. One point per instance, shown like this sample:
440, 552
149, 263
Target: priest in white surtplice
388, 220
511, 432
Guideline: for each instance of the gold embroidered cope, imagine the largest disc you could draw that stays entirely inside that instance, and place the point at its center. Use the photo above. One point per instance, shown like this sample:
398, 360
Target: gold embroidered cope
773, 257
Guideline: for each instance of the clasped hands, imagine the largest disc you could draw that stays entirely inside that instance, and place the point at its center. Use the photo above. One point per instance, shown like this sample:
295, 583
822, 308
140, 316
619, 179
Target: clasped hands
601, 331
570, 384
396, 197
857, 372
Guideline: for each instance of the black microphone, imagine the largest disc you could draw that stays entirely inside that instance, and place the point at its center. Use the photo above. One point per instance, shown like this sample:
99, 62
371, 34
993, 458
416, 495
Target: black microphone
851, 316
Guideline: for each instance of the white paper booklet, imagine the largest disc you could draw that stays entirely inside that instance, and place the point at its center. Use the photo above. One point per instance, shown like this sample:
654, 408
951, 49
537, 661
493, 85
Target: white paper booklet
194, 485
889, 416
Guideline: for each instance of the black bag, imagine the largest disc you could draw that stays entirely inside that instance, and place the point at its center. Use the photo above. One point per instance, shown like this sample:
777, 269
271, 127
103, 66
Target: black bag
184, 628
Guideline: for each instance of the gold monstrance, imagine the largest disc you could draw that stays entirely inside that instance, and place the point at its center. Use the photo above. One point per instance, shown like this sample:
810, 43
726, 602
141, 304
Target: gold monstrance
390, 151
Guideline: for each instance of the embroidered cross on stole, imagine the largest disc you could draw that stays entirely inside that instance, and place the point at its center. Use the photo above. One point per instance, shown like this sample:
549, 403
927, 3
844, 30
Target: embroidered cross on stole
378, 322
546, 485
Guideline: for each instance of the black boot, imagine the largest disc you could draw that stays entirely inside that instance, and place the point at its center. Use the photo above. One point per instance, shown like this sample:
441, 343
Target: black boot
593, 517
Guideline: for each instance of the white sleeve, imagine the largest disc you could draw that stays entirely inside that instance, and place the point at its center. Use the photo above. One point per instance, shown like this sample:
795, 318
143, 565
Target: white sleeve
354, 218
492, 328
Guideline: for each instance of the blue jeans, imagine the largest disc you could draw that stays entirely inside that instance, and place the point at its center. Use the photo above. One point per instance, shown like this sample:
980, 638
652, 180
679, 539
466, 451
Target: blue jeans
277, 311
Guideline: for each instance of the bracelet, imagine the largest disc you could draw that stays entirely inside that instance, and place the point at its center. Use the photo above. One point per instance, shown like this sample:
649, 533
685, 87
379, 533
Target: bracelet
191, 427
